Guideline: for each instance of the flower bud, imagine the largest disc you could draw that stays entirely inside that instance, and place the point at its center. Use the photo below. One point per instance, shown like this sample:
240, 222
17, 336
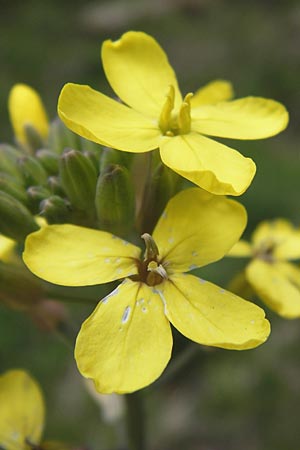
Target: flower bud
19, 288
8, 160
60, 137
94, 158
28, 116
115, 203
55, 210
161, 187
13, 187
32, 170
78, 177
35, 195
16, 221
49, 161
55, 186
111, 156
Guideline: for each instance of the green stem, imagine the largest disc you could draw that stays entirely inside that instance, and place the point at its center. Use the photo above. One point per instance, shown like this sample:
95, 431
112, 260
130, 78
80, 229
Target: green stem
59, 296
135, 421
184, 358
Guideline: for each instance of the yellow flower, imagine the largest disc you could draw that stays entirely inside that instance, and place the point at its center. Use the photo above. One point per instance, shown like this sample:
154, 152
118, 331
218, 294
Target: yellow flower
157, 116
27, 110
126, 343
22, 411
22, 414
7, 249
270, 274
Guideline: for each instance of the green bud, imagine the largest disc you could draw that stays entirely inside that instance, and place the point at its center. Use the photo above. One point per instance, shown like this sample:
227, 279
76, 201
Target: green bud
55, 186
78, 178
160, 188
55, 210
115, 202
35, 195
8, 160
13, 187
60, 137
32, 170
111, 156
49, 161
94, 158
33, 138
19, 288
16, 220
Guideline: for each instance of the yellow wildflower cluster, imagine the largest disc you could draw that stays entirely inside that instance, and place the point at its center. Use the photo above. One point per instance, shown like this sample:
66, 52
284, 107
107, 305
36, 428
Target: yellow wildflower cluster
127, 341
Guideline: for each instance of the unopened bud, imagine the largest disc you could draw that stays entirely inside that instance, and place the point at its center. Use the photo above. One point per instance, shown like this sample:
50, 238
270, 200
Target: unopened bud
49, 161
55, 186
78, 177
115, 204
111, 156
60, 137
19, 288
13, 187
16, 220
32, 170
94, 158
162, 186
55, 210
28, 116
8, 160
35, 195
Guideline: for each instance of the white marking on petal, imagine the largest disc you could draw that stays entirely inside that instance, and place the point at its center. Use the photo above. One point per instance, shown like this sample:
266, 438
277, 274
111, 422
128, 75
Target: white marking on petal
90, 255
111, 294
164, 214
193, 266
194, 253
126, 314
171, 240
144, 309
157, 291
222, 291
201, 280
107, 260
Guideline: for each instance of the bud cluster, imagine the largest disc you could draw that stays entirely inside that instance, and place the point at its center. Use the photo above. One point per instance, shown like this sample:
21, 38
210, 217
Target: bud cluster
67, 179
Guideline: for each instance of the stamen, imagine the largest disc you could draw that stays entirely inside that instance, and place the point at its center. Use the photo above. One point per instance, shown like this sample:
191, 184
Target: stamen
159, 269
165, 115
184, 116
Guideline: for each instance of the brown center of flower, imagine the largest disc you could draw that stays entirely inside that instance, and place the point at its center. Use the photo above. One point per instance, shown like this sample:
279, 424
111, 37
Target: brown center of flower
150, 270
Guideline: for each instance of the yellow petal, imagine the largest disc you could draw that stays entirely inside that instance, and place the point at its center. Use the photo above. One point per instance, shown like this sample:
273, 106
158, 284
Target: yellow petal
281, 236
213, 92
209, 315
197, 228
100, 119
291, 271
26, 108
274, 288
242, 249
126, 343
75, 256
21, 410
7, 248
139, 72
245, 118
240, 286
207, 163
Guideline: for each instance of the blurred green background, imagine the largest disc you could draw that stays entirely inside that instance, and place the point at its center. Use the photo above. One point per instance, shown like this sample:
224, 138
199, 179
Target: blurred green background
223, 400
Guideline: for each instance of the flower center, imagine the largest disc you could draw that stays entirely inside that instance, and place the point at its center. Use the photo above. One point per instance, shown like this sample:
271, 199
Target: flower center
171, 122
150, 271
265, 251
